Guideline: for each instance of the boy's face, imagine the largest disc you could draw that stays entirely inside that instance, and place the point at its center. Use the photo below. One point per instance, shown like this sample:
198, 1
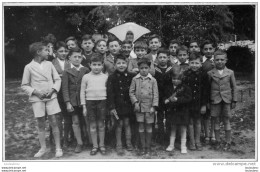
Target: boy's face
194, 47
87, 45
208, 50
182, 56
102, 47
140, 52
96, 67
126, 49
176, 81
195, 64
61, 53
121, 65
43, 53
220, 61
162, 59
71, 44
76, 59
114, 47
144, 69
173, 47
154, 44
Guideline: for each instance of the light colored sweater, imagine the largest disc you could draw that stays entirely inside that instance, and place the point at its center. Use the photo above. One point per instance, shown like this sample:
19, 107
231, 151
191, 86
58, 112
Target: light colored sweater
93, 87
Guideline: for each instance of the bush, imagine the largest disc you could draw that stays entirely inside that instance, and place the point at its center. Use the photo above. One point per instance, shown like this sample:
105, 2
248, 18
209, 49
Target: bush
240, 59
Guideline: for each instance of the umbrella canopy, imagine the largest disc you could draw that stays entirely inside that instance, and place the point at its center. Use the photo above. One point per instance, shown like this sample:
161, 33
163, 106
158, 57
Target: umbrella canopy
121, 30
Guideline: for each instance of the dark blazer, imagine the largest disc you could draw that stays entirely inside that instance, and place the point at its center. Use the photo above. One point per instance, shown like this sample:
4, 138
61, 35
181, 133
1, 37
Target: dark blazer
223, 87
57, 66
71, 82
118, 86
177, 113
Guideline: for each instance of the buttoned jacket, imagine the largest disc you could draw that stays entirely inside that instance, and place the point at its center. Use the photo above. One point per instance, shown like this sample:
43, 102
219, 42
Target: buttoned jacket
42, 79
223, 87
118, 86
145, 92
57, 66
71, 83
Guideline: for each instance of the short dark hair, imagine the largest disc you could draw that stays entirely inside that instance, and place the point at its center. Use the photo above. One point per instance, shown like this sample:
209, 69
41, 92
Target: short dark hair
182, 48
60, 44
154, 36
193, 40
208, 42
112, 40
74, 50
163, 51
127, 42
174, 41
36, 46
220, 52
195, 56
97, 57
144, 60
71, 38
120, 56
87, 37
140, 44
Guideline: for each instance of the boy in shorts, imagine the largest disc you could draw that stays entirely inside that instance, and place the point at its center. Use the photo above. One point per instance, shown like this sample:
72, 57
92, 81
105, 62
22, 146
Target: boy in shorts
144, 96
222, 96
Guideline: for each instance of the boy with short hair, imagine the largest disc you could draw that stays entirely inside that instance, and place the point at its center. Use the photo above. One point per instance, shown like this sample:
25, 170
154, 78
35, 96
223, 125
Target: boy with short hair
208, 49
93, 97
222, 96
154, 43
114, 48
197, 80
87, 44
71, 92
173, 46
126, 49
42, 82
194, 46
183, 54
71, 42
143, 93
140, 49
161, 70
119, 102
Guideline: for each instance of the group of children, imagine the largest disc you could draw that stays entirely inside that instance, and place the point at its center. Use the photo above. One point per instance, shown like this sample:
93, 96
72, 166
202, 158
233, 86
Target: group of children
83, 89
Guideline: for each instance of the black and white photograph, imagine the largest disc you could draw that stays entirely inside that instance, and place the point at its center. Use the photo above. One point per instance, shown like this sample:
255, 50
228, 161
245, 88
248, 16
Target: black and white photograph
129, 82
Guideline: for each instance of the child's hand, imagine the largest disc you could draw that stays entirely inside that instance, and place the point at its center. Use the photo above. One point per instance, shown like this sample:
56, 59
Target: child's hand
49, 94
203, 109
152, 110
137, 107
173, 99
84, 110
114, 113
233, 105
135, 70
69, 107
39, 94
166, 101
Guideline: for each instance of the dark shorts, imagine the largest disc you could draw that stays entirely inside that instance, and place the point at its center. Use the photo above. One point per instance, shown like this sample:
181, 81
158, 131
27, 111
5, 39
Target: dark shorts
96, 110
220, 109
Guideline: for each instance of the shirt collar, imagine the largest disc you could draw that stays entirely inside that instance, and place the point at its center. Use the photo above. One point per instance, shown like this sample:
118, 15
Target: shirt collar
148, 76
204, 58
78, 68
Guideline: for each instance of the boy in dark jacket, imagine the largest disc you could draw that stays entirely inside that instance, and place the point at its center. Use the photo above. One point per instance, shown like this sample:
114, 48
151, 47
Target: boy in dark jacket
197, 80
119, 102
161, 69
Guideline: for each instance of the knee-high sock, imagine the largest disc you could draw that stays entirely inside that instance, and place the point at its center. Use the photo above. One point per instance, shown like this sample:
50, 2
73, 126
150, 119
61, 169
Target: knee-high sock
101, 133
142, 139
77, 133
41, 135
118, 136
